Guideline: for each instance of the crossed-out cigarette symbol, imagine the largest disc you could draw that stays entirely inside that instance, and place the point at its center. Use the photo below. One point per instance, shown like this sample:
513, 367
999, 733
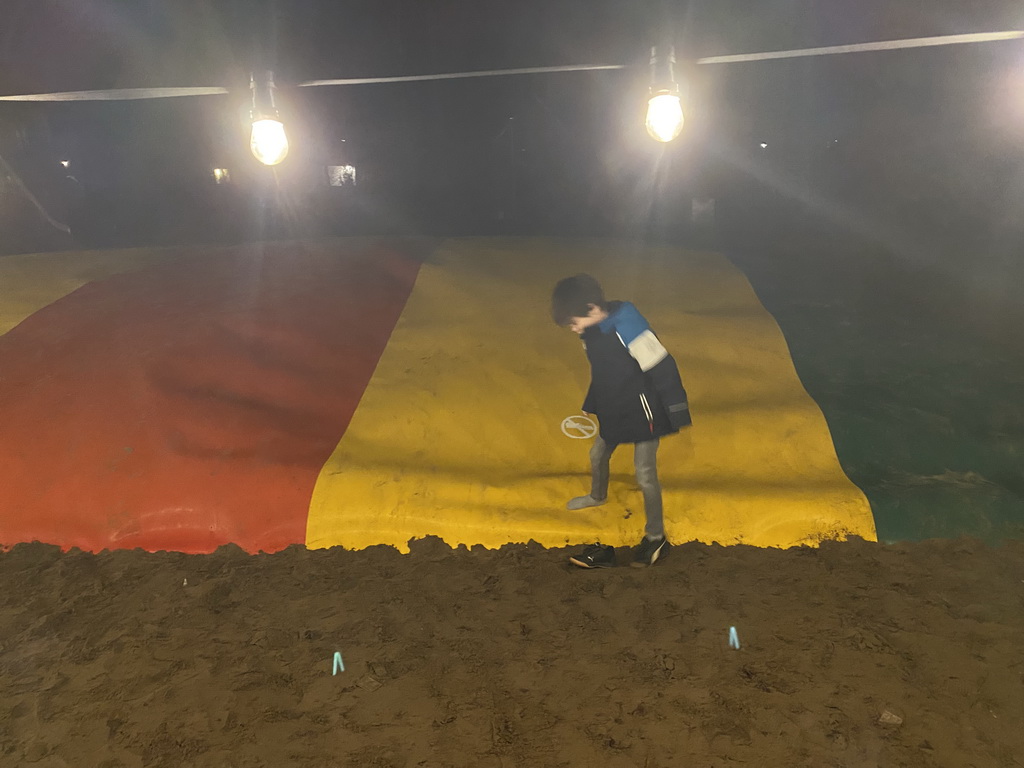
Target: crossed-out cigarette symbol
579, 427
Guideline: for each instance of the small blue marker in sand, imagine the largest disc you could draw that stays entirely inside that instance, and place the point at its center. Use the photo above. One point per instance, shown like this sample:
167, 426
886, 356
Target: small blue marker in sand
339, 665
734, 638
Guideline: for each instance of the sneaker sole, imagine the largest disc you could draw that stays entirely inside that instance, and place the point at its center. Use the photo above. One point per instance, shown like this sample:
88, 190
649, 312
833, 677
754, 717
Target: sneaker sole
654, 558
583, 564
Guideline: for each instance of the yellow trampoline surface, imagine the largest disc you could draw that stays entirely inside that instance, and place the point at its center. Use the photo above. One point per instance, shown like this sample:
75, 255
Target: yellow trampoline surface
459, 431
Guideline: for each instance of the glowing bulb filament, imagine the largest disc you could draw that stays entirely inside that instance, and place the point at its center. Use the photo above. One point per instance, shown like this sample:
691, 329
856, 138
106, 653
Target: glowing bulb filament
269, 143
664, 116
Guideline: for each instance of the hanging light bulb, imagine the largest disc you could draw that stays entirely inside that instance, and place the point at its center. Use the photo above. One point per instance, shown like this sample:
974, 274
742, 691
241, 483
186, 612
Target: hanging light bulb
268, 140
664, 108
664, 116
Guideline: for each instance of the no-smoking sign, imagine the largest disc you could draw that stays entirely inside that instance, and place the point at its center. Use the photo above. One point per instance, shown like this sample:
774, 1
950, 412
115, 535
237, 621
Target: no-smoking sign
579, 427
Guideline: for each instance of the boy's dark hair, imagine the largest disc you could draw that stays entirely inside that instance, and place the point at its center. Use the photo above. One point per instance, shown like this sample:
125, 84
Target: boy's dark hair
573, 296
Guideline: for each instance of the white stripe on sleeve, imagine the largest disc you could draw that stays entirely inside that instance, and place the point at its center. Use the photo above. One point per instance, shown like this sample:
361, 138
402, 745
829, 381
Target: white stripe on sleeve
647, 350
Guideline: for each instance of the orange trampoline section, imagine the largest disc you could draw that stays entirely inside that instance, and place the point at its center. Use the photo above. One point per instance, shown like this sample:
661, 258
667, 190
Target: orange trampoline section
188, 402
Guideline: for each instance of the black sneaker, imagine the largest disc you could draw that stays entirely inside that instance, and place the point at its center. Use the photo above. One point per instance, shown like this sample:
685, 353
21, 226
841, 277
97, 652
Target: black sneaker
648, 552
595, 556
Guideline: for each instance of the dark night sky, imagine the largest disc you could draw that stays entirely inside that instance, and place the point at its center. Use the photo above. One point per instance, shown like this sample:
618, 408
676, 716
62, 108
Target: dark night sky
905, 108
85, 44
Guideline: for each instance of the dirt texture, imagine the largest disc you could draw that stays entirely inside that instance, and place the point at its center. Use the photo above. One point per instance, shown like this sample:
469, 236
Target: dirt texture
853, 654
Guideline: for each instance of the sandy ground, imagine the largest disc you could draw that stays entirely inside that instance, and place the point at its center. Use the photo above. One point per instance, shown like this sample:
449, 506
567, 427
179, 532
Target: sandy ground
513, 658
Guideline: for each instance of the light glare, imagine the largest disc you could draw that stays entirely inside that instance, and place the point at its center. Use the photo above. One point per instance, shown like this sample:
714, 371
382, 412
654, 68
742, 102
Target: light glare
664, 117
269, 143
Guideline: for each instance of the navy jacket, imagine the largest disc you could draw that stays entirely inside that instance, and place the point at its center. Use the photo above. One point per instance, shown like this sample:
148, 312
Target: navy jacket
635, 389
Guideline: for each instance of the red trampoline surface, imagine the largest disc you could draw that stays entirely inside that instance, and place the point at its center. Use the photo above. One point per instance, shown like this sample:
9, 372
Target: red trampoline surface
192, 404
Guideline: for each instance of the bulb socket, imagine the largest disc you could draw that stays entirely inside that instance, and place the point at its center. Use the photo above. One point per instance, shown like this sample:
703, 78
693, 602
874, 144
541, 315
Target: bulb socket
663, 70
261, 87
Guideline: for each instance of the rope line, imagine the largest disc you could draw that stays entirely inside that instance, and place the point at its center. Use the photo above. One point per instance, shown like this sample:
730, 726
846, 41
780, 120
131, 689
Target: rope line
883, 45
459, 75
127, 94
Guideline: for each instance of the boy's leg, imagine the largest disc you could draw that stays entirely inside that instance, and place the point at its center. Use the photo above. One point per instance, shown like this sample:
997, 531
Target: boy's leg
653, 545
645, 459
600, 457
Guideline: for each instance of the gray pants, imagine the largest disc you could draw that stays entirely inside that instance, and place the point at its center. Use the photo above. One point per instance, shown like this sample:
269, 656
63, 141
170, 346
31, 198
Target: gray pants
645, 459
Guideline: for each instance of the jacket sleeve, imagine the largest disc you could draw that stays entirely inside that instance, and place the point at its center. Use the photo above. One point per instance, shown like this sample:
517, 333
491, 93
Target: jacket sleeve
588, 401
655, 361
669, 386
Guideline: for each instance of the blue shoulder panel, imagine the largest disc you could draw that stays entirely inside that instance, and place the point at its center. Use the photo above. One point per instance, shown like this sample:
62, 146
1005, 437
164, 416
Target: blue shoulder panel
627, 322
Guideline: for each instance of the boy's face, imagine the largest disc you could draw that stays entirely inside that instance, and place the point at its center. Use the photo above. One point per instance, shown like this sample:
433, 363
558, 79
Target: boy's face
579, 324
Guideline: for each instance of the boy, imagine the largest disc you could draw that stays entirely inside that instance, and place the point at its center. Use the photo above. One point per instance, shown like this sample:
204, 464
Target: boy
637, 396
